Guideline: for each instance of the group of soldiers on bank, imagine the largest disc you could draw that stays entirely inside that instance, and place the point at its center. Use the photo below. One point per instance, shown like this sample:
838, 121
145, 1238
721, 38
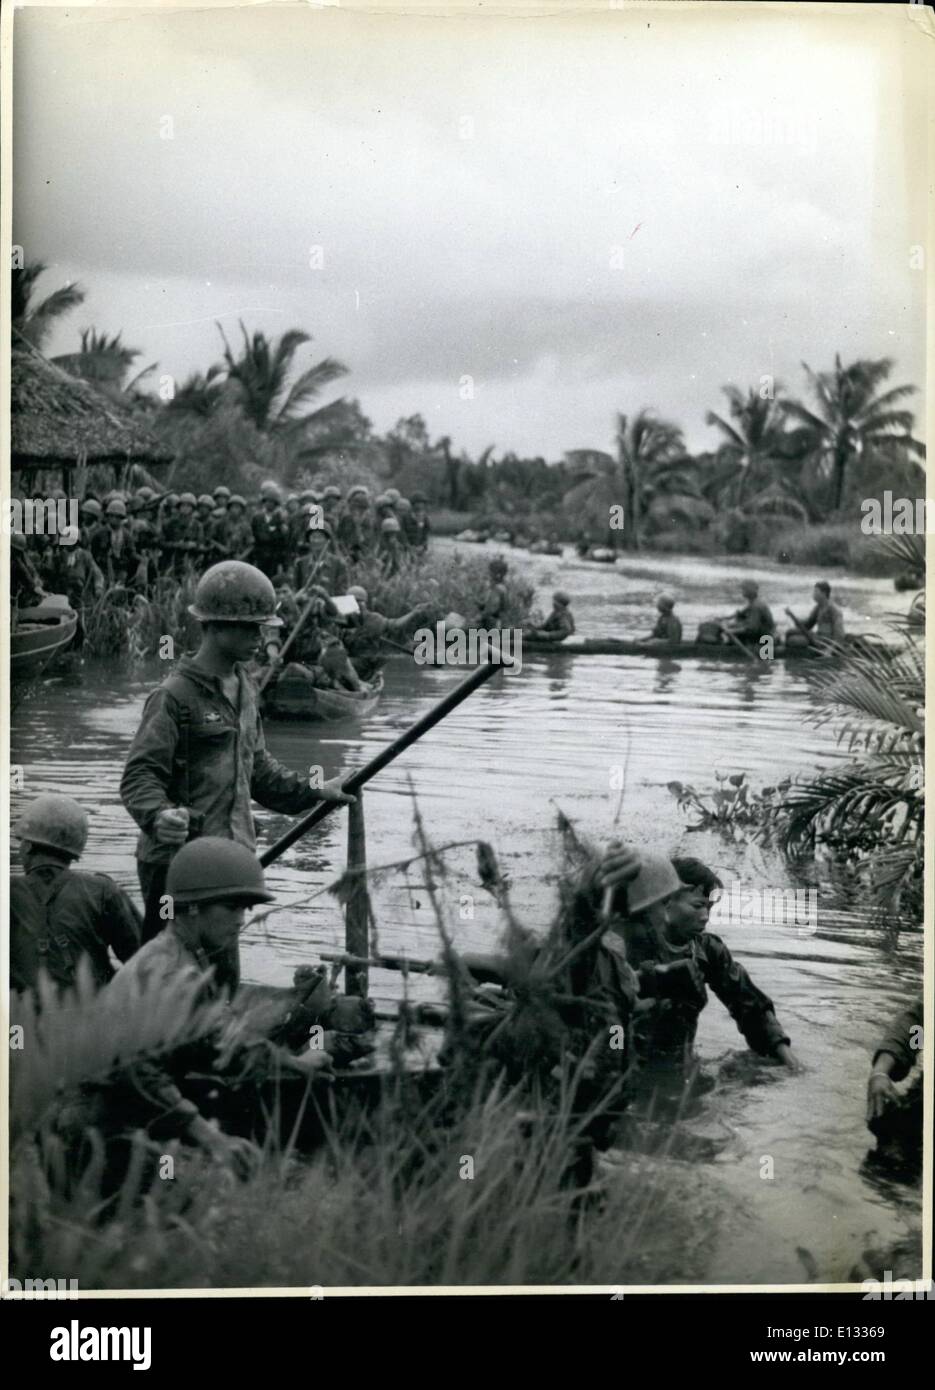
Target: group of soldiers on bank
129, 542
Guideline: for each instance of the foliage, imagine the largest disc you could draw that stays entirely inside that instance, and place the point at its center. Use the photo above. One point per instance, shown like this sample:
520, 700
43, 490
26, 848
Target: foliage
733, 808
34, 320
442, 583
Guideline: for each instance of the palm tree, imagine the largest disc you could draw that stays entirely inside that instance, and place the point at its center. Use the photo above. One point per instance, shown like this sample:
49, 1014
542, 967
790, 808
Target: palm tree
262, 371
33, 322
754, 440
850, 416
104, 362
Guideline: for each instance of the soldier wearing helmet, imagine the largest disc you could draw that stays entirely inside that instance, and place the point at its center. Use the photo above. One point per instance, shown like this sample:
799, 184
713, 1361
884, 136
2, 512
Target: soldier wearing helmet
390, 545
26, 587
221, 494
272, 547
331, 504
558, 625
355, 533
230, 535
182, 537
319, 562
71, 569
494, 603
668, 627
199, 757
113, 547
369, 634
59, 916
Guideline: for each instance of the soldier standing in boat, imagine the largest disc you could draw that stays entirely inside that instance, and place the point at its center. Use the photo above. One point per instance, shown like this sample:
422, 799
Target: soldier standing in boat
199, 756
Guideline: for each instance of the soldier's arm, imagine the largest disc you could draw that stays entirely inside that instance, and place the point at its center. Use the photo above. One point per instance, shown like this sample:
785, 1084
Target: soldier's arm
123, 926
147, 774
276, 786
748, 1006
898, 1041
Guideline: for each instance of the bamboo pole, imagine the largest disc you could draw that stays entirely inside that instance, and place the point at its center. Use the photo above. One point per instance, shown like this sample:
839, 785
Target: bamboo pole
357, 908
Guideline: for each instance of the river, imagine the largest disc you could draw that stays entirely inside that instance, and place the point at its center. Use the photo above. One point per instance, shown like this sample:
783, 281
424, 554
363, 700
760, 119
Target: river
561, 733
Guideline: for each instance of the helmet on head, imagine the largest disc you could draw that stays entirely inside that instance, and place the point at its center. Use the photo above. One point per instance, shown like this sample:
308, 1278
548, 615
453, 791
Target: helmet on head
117, 507
205, 501
332, 491
210, 870
270, 489
58, 495
666, 602
561, 597
55, 821
92, 506
145, 494
235, 592
498, 565
318, 525
359, 592
237, 501
308, 495
188, 499
390, 525
221, 491
358, 490
69, 535
171, 499
392, 494
418, 497
656, 881
134, 503
293, 497
749, 588
404, 505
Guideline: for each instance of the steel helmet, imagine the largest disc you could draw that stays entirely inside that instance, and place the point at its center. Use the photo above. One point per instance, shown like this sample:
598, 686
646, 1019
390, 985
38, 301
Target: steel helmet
308, 495
170, 499
390, 525
404, 505
145, 494
418, 497
117, 507
749, 588
92, 505
235, 592
68, 535
270, 489
655, 881
383, 501
58, 495
205, 501
221, 491
358, 490
332, 491
357, 591
55, 821
317, 523
561, 598
392, 494
209, 870
237, 501
666, 602
188, 499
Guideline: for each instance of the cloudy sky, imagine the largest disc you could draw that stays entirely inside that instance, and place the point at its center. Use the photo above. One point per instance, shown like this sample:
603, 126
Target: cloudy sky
581, 214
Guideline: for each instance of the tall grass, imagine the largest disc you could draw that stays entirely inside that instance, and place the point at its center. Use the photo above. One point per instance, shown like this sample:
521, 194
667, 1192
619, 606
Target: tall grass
452, 582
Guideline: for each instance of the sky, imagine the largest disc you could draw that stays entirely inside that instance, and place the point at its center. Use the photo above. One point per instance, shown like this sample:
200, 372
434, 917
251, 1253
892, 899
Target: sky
514, 226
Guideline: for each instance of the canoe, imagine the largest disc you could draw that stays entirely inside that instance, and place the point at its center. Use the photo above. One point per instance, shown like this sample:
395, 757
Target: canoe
682, 651
295, 697
40, 634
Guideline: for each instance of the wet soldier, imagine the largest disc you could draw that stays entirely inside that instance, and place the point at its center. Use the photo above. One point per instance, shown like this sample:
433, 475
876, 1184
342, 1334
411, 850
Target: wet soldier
231, 533
894, 1116
71, 569
112, 546
199, 756
420, 528
210, 884
60, 916
271, 542
182, 537
494, 603
355, 534
320, 563
559, 624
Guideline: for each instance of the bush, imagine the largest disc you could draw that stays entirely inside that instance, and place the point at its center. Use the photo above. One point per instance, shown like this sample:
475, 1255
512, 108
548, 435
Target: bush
444, 583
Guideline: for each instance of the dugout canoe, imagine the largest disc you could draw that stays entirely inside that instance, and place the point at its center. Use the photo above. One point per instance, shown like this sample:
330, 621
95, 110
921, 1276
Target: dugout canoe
682, 651
40, 634
295, 696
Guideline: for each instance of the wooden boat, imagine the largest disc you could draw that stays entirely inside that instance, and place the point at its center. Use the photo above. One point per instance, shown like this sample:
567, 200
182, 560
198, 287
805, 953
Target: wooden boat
600, 555
295, 696
682, 651
40, 634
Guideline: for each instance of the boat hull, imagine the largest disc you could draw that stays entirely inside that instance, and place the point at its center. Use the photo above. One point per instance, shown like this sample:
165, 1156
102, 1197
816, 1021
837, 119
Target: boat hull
295, 697
39, 636
682, 651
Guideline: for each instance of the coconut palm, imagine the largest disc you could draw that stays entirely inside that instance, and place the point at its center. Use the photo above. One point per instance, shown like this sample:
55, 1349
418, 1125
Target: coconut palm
851, 415
754, 442
33, 321
105, 362
262, 374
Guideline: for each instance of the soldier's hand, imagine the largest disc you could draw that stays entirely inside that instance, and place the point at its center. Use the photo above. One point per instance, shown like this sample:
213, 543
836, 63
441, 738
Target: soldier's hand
331, 791
881, 1094
788, 1058
619, 864
171, 826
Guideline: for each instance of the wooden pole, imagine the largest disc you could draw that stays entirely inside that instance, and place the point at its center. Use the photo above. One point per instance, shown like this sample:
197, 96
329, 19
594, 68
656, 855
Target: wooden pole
357, 909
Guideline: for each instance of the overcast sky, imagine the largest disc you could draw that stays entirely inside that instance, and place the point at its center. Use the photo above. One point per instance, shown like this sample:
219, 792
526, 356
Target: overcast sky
584, 215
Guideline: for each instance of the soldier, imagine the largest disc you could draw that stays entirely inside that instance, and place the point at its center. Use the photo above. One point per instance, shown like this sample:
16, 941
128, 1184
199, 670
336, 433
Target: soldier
319, 562
364, 635
559, 624
232, 533
221, 495
58, 915
355, 532
390, 545
331, 504
113, 548
182, 536
495, 600
26, 588
199, 756
420, 526
668, 627
72, 570
271, 542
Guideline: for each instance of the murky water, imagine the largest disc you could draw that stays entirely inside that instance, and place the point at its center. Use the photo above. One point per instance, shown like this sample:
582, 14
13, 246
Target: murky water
560, 734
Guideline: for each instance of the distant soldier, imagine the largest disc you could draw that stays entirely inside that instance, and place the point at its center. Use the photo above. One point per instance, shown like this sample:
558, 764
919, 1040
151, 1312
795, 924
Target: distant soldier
494, 602
331, 504
355, 533
560, 622
59, 916
390, 547
26, 587
199, 756
231, 534
754, 620
668, 628
364, 634
826, 619
71, 569
319, 563
182, 537
271, 539
420, 528
112, 546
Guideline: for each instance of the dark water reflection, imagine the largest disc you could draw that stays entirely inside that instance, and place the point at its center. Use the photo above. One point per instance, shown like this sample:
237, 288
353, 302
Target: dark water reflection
561, 733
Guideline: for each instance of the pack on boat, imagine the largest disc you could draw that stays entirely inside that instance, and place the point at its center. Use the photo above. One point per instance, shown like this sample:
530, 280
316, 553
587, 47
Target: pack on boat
295, 696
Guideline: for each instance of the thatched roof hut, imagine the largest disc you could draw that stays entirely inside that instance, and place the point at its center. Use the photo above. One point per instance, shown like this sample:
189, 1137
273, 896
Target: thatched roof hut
58, 422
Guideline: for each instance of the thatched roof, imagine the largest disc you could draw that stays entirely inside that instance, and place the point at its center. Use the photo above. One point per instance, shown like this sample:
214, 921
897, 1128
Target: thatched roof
57, 419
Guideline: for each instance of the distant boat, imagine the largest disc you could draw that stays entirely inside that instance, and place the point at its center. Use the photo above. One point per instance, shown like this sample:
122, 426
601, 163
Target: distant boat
40, 634
295, 696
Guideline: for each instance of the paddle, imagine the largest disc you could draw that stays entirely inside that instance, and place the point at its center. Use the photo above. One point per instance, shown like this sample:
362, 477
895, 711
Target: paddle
303, 616
804, 630
737, 643
362, 776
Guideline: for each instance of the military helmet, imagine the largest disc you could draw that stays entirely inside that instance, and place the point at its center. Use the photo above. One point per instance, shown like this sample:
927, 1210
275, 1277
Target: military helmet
205, 500
332, 491
359, 592
392, 494
561, 597
418, 497
666, 602
116, 507
308, 495
221, 491
235, 592
390, 525
210, 870
358, 490
145, 494
59, 495
237, 501
134, 503
92, 505
383, 500
188, 499
656, 881
318, 523
270, 489
171, 498
55, 821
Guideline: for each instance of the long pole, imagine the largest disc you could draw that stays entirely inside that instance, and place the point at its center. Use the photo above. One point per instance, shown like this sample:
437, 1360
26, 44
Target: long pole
357, 911
804, 630
737, 643
362, 776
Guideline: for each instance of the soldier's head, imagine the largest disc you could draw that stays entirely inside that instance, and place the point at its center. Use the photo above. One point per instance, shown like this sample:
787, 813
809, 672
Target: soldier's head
358, 499
331, 499
822, 593
419, 504
665, 603
360, 593
318, 533
688, 910
292, 503
205, 506
237, 506
498, 568
187, 504
561, 599
221, 495
116, 513
750, 590
211, 883
234, 602
54, 827
649, 893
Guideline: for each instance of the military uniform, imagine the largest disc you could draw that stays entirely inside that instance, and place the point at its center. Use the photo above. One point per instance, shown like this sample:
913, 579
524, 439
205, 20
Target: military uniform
59, 916
272, 543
